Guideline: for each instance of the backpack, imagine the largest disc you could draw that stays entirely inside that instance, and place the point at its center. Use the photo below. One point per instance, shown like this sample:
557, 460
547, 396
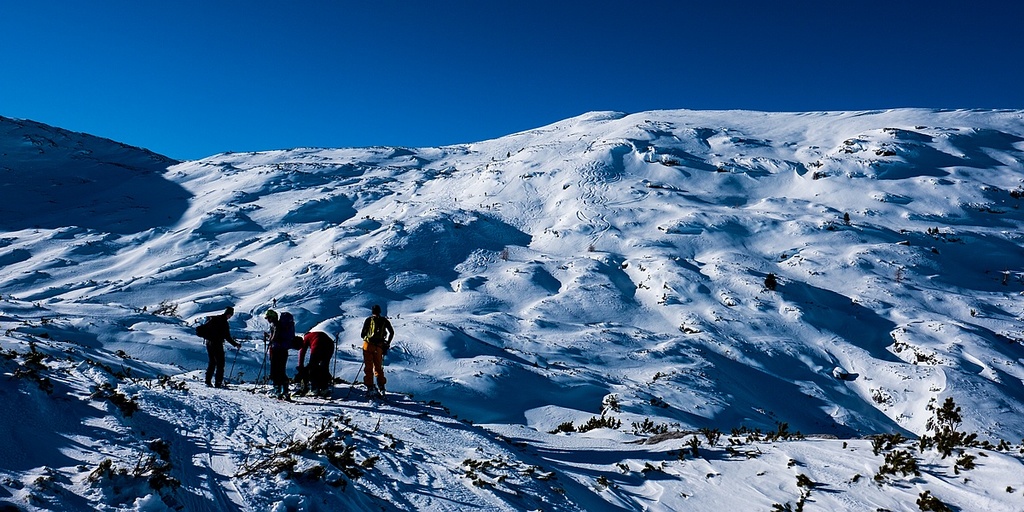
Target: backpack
375, 334
286, 328
203, 329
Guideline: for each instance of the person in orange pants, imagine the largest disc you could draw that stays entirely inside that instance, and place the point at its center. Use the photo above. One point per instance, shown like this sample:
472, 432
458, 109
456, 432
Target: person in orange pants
377, 334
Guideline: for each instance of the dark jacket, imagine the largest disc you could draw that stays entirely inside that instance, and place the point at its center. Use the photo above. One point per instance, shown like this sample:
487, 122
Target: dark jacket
385, 333
218, 330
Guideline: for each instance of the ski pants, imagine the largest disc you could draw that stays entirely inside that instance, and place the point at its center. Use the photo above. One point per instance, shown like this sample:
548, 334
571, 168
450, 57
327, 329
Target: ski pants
319, 370
373, 365
278, 366
215, 368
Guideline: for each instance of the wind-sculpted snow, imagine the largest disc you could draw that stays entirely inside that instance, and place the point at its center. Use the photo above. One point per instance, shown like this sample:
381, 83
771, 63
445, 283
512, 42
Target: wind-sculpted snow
606, 268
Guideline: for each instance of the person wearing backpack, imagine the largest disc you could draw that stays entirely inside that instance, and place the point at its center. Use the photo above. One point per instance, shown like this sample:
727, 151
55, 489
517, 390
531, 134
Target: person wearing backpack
282, 330
377, 334
317, 373
215, 331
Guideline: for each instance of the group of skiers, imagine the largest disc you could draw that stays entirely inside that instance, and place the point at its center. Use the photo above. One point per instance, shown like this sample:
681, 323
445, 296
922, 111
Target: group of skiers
314, 375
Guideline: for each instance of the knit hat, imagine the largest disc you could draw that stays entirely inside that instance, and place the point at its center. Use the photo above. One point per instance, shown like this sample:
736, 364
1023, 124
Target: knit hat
270, 315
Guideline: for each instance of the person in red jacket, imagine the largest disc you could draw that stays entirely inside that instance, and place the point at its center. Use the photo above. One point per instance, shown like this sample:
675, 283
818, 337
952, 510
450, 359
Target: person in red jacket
316, 374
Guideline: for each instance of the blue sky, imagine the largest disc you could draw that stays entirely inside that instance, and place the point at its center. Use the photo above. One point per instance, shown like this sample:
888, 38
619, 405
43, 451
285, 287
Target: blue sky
192, 78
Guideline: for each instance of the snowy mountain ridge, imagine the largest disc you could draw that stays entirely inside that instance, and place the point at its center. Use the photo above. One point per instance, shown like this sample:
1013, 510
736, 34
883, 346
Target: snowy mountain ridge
611, 266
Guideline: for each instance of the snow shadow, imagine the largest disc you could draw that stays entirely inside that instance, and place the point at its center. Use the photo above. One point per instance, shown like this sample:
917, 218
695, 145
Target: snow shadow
330, 210
51, 176
831, 312
407, 268
106, 196
966, 149
779, 393
67, 418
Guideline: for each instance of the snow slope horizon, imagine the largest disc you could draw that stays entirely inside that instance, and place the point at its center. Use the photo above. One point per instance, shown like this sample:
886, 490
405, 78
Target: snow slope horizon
607, 264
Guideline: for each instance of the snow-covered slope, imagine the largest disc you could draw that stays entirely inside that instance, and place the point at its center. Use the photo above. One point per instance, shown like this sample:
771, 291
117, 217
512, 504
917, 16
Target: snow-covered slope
607, 266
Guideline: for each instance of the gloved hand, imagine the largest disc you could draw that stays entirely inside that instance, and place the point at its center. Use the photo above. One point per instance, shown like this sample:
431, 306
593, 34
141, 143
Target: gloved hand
387, 346
236, 344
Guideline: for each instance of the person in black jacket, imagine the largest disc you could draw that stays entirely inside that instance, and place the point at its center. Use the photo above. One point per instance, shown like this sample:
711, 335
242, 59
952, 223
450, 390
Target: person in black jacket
216, 332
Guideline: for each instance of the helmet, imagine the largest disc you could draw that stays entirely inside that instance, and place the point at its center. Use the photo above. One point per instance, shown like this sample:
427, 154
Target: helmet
375, 309
270, 315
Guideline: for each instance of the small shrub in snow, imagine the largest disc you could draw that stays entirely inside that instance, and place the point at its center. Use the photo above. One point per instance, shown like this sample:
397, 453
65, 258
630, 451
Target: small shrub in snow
166, 382
944, 423
611, 402
650, 468
712, 435
752, 436
779, 507
886, 442
804, 481
880, 396
901, 274
103, 471
32, 367
649, 427
694, 445
126, 405
166, 308
926, 502
564, 427
782, 433
898, 461
602, 422
328, 442
497, 471
152, 472
965, 462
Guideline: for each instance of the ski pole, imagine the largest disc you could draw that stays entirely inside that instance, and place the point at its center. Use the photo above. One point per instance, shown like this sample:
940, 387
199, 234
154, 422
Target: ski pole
353, 385
266, 350
231, 374
334, 369
337, 339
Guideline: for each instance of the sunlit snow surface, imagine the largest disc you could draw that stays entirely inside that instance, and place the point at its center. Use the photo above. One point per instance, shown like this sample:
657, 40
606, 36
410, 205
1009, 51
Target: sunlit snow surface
607, 266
